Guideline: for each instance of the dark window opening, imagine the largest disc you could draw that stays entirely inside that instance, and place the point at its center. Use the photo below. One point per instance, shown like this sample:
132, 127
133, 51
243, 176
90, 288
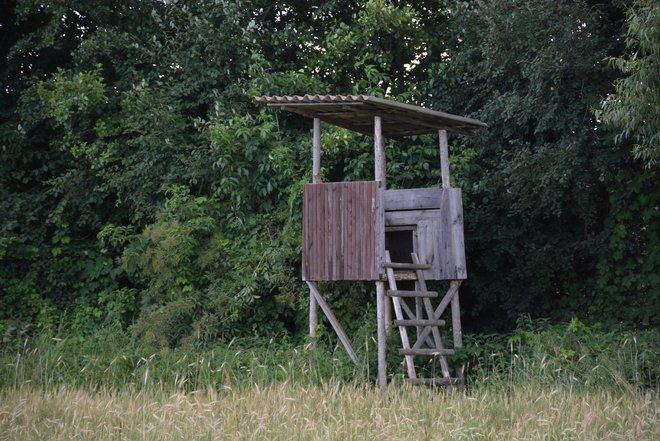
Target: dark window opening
400, 244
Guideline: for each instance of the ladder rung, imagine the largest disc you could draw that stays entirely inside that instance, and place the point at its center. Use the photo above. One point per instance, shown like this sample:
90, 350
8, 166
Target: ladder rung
404, 293
437, 381
407, 266
419, 322
426, 352
405, 275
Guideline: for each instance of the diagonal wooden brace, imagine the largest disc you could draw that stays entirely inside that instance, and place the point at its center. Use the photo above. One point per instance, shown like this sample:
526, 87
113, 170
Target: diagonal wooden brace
444, 366
333, 321
438, 312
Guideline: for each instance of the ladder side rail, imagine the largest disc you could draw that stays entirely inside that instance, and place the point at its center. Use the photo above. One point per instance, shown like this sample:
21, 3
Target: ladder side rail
410, 364
444, 365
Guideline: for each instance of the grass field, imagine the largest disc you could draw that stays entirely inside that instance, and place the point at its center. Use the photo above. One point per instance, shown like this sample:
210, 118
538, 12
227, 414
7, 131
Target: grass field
328, 412
554, 383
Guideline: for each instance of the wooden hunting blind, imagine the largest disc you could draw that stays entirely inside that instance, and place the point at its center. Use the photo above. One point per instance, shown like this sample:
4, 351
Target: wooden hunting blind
363, 231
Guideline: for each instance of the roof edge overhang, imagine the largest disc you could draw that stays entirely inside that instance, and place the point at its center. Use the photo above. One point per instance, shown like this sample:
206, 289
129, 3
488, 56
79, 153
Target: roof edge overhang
357, 112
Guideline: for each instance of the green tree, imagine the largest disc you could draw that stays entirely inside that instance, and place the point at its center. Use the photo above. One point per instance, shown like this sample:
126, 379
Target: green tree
140, 184
634, 109
538, 210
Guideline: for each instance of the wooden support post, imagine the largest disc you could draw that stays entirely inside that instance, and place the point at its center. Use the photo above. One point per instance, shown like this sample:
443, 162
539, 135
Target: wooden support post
388, 316
382, 336
383, 304
316, 155
454, 284
418, 303
456, 316
444, 158
380, 174
381, 300
316, 178
379, 153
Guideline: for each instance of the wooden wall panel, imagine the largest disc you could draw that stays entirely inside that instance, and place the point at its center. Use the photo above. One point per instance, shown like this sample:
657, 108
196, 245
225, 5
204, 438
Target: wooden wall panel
342, 231
412, 199
438, 215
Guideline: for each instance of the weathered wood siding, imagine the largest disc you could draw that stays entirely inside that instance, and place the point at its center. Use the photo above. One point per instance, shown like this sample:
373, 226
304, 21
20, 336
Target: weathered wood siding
438, 215
343, 232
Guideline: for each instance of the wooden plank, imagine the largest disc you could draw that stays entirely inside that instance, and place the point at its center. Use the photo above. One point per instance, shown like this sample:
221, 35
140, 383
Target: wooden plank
380, 229
438, 381
428, 247
370, 204
406, 266
382, 335
409, 352
321, 234
370, 220
347, 237
328, 243
365, 246
337, 230
413, 199
306, 233
443, 245
411, 217
407, 293
419, 322
444, 158
457, 241
403, 275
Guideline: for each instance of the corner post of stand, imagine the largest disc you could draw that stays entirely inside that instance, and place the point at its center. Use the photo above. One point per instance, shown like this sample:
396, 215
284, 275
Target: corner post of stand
455, 303
316, 179
381, 307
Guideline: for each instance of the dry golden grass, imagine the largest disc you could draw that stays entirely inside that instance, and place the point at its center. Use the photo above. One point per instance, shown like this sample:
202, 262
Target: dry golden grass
330, 412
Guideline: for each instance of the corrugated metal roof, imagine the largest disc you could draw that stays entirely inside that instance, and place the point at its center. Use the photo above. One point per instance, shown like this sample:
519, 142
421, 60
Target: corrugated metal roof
356, 112
313, 98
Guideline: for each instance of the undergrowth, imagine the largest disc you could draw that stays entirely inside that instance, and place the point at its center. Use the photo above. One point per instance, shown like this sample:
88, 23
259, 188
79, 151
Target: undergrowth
573, 355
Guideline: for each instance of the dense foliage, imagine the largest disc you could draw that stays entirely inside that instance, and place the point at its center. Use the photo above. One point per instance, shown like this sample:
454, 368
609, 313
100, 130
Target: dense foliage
142, 187
634, 109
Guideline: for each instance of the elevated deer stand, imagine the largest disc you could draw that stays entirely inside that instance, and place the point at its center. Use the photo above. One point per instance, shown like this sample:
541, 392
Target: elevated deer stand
362, 231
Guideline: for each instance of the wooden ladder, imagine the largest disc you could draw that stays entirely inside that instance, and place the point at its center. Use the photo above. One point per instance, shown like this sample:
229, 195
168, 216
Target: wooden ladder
424, 318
